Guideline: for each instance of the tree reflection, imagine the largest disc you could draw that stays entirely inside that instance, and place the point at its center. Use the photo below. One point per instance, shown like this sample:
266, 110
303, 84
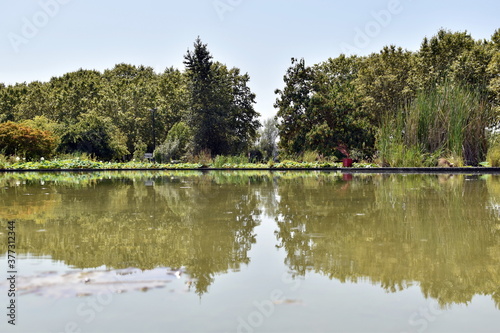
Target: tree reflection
395, 230
204, 222
440, 232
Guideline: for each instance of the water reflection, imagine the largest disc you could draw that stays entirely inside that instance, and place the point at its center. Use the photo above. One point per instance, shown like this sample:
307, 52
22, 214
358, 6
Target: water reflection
397, 230
198, 222
438, 231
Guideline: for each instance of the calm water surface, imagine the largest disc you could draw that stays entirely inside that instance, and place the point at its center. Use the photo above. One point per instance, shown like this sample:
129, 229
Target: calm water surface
252, 252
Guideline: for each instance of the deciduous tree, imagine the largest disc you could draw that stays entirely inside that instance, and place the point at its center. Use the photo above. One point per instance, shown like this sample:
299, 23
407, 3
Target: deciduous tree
19, 139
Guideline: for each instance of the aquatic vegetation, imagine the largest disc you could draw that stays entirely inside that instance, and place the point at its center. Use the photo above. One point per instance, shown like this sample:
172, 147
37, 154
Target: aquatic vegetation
219, 163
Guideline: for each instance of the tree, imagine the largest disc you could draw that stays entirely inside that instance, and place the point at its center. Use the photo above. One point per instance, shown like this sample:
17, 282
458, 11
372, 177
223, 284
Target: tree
42, 123
268, 136
339, 119
293, 107
203, 116
221, 113
176, 145
172, 98
493, 71
129, 94
320, 108
95, 135
385, 82
237, 100
470, 67
436, 56
73, 94
34, 101
10, 97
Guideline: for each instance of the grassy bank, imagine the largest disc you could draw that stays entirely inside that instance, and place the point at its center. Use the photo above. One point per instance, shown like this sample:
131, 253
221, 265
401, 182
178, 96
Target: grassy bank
78, 163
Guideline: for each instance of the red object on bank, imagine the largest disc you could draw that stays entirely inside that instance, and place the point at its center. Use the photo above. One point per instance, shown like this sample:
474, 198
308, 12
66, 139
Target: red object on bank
347, 162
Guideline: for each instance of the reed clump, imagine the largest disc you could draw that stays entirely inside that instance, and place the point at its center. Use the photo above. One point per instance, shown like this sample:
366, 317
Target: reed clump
449, 120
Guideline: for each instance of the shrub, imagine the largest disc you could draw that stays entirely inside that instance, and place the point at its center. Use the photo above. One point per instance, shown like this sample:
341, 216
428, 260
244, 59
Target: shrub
140, 149
204, 158
493, 156
456, 160
310, 156
267, 143
167, 152
176, 145
220, 161
95, 135
3, 161
22, 140
43, 123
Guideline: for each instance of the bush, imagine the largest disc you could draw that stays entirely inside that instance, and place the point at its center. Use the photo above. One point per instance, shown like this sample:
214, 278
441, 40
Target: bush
310, 156
43, 123
22, 140
176, 145
221, 161
204, 158
267, 143
95, 135
493, 156
167, 152
140, 149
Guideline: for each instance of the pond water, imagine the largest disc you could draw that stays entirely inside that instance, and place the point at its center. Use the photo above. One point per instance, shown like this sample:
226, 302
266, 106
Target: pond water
251, 251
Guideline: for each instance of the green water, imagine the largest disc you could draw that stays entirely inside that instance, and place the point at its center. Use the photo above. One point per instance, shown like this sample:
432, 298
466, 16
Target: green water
252, 252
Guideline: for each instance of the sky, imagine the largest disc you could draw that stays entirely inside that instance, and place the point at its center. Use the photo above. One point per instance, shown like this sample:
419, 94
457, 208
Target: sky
40, 39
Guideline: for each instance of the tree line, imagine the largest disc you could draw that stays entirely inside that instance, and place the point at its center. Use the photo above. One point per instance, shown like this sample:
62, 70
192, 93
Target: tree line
394, 107
124, 111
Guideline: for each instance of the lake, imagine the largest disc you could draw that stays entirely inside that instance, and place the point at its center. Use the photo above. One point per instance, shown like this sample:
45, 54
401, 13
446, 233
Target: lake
250, 251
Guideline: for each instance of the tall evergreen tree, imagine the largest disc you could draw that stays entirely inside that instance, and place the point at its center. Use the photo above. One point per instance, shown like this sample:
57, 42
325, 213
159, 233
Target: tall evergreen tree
203, 113
221, 114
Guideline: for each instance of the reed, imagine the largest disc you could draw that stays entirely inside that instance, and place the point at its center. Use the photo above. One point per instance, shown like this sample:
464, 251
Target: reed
449, 120
309, 156
221, 161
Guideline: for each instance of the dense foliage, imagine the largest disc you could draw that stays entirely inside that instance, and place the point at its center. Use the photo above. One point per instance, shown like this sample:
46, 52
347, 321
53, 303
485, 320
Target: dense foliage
122, 112
363, 102
220, 112
176, 145
395, 107
21, 140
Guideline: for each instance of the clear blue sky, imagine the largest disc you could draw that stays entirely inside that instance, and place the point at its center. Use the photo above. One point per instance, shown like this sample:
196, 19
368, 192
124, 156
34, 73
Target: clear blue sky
44, 38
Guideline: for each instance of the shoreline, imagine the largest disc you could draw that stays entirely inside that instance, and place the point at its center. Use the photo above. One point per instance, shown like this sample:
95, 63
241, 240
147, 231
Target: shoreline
403, 170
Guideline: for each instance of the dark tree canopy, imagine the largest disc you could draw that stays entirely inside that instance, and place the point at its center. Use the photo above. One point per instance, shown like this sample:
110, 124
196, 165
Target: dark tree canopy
221, 113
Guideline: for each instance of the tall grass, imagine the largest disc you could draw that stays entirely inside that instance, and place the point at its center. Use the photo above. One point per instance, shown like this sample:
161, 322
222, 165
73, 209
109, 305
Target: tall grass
450, 120
309, 156
493, 156
204, 157
222, 161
